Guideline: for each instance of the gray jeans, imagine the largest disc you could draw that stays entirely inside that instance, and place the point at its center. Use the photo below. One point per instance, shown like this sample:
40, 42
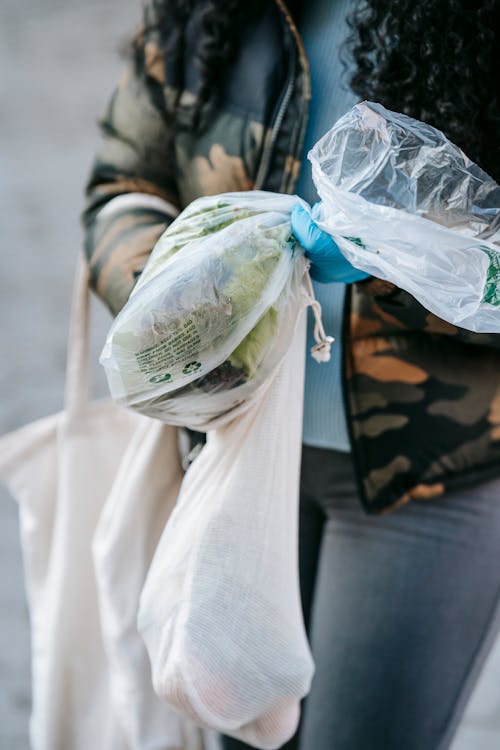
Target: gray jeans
401, 611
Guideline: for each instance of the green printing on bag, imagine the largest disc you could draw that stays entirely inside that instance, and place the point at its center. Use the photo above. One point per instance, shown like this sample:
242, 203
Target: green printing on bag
357, 241
492, 287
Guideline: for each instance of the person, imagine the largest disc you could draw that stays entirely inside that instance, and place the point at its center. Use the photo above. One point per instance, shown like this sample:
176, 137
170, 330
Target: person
400, 487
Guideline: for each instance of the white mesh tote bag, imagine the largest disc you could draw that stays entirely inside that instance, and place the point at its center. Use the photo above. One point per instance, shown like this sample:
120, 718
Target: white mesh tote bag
220, 611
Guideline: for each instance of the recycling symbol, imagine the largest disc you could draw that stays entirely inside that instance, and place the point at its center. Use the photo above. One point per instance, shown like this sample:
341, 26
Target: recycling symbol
191, 367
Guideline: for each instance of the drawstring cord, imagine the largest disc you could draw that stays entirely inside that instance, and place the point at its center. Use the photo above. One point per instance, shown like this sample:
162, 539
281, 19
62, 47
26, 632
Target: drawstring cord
321, 351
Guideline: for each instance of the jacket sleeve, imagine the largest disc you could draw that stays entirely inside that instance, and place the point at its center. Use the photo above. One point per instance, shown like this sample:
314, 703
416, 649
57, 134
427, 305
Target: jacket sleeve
131, 194
407, 313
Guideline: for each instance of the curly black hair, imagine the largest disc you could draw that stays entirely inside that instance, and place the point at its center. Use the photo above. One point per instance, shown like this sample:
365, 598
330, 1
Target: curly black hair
435, 60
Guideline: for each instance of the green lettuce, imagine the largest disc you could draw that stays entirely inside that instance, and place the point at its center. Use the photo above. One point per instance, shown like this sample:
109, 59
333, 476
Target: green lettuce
246, 281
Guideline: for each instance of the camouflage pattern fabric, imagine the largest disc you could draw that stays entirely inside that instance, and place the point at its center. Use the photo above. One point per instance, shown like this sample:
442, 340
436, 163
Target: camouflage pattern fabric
423, 397
131, 159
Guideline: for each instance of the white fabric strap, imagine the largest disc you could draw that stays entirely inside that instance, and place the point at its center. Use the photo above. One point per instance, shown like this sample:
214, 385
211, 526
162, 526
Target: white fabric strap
131, 201
77, 388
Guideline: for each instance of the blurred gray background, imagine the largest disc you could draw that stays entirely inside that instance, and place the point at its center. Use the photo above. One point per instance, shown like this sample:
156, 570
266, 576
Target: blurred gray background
58, 64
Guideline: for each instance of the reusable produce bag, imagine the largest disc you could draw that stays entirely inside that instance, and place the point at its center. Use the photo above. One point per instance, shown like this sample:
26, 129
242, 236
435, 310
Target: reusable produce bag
406, 205
220, 611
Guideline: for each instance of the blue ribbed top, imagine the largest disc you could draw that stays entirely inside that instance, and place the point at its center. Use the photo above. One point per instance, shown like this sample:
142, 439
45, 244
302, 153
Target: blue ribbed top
324, 29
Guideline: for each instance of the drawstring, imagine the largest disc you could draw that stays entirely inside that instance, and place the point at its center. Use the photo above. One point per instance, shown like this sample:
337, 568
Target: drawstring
321, 351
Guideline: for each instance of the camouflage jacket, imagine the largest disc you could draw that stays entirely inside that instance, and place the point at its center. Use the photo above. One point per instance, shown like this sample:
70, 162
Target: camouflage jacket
422, 397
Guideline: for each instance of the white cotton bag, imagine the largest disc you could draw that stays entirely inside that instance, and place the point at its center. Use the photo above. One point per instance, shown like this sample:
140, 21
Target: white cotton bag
142, 496
90, 673
220, 611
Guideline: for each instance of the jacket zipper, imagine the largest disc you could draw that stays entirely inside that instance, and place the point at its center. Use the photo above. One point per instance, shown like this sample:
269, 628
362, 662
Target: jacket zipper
285, 100
347, 305
271, 140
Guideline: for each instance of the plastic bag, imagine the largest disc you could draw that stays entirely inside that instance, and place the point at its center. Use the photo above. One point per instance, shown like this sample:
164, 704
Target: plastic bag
220, 611
405, 204
213, 311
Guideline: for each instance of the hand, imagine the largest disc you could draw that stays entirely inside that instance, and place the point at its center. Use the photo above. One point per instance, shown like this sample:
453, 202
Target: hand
327, 262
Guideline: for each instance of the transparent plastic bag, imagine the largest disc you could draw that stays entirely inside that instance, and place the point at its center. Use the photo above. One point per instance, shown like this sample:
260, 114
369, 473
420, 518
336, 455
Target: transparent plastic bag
213, 311
405, 204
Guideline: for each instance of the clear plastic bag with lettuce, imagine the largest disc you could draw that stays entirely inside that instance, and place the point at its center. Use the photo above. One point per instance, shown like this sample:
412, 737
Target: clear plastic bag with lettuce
406, 205
213, 312
215, 307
